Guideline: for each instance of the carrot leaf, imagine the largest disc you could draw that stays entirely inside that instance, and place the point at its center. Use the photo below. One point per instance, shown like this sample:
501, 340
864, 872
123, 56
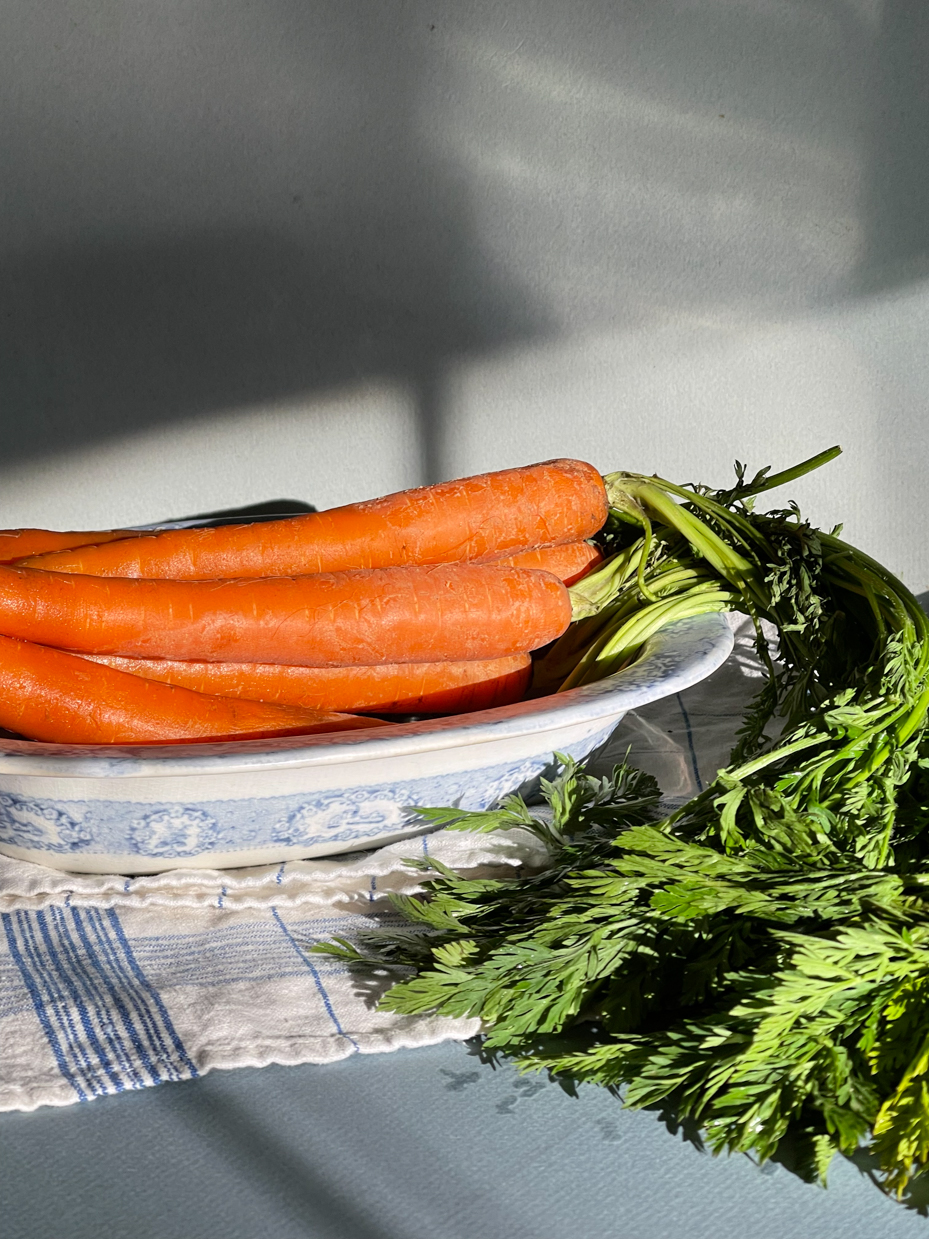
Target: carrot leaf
758, 960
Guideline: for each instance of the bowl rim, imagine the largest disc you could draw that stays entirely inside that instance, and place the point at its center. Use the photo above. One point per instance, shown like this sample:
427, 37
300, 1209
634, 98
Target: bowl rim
676, 657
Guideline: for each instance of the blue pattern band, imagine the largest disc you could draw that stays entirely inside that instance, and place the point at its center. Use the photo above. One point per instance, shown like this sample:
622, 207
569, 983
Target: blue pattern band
174, 831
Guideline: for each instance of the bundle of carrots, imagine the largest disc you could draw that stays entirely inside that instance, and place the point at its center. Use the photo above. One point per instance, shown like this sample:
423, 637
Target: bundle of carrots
426, 601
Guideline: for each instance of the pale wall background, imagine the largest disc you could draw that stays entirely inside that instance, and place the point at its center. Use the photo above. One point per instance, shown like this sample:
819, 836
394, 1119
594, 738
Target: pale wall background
331, 248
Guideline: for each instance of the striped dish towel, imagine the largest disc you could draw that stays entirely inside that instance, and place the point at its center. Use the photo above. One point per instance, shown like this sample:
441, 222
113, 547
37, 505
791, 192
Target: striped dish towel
113, 983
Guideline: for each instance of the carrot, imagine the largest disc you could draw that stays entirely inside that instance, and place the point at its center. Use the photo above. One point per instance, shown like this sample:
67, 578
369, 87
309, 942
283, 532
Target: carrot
472, 518
448, 612
392, 688
18, 543
31, 548
51, 695
568, 562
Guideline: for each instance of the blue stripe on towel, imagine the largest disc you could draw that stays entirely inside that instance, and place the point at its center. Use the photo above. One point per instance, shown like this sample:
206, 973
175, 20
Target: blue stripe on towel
241, 953
106, 1025
123, 998
90, 986
183, 1065
39, 1005
46, 970
327, 1001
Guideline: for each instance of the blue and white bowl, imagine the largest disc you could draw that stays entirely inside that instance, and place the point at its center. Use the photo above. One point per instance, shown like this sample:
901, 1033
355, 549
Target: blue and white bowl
142, 810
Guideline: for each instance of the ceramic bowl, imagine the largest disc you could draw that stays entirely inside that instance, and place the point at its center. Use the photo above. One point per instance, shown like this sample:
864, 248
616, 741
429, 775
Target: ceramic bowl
97, 809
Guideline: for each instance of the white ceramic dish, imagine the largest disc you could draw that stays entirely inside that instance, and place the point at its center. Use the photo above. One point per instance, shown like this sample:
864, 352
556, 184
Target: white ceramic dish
142, 810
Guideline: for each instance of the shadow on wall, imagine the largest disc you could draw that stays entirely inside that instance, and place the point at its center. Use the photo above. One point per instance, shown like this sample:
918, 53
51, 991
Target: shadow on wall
103, 335
393, 164
214, 205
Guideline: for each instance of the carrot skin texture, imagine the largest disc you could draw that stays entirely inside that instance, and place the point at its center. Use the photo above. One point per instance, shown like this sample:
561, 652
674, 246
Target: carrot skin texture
568, 562
19, 543
449, 612
492, 514
393, 688
51, 695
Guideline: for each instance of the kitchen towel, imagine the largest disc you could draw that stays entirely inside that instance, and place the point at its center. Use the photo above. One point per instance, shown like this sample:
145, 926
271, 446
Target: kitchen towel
110, 983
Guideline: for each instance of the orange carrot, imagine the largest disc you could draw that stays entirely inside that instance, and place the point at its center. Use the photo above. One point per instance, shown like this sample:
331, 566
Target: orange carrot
568, 562
492, 514
18, 543
453, 612
51, 695
392, 688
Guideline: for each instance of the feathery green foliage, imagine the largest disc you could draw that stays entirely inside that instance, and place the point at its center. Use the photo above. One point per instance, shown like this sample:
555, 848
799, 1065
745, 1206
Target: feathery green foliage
759, 959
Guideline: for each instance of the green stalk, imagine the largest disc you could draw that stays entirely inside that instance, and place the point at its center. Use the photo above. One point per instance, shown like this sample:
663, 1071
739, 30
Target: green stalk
766, 481
599, 587
617, 645
650, 496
